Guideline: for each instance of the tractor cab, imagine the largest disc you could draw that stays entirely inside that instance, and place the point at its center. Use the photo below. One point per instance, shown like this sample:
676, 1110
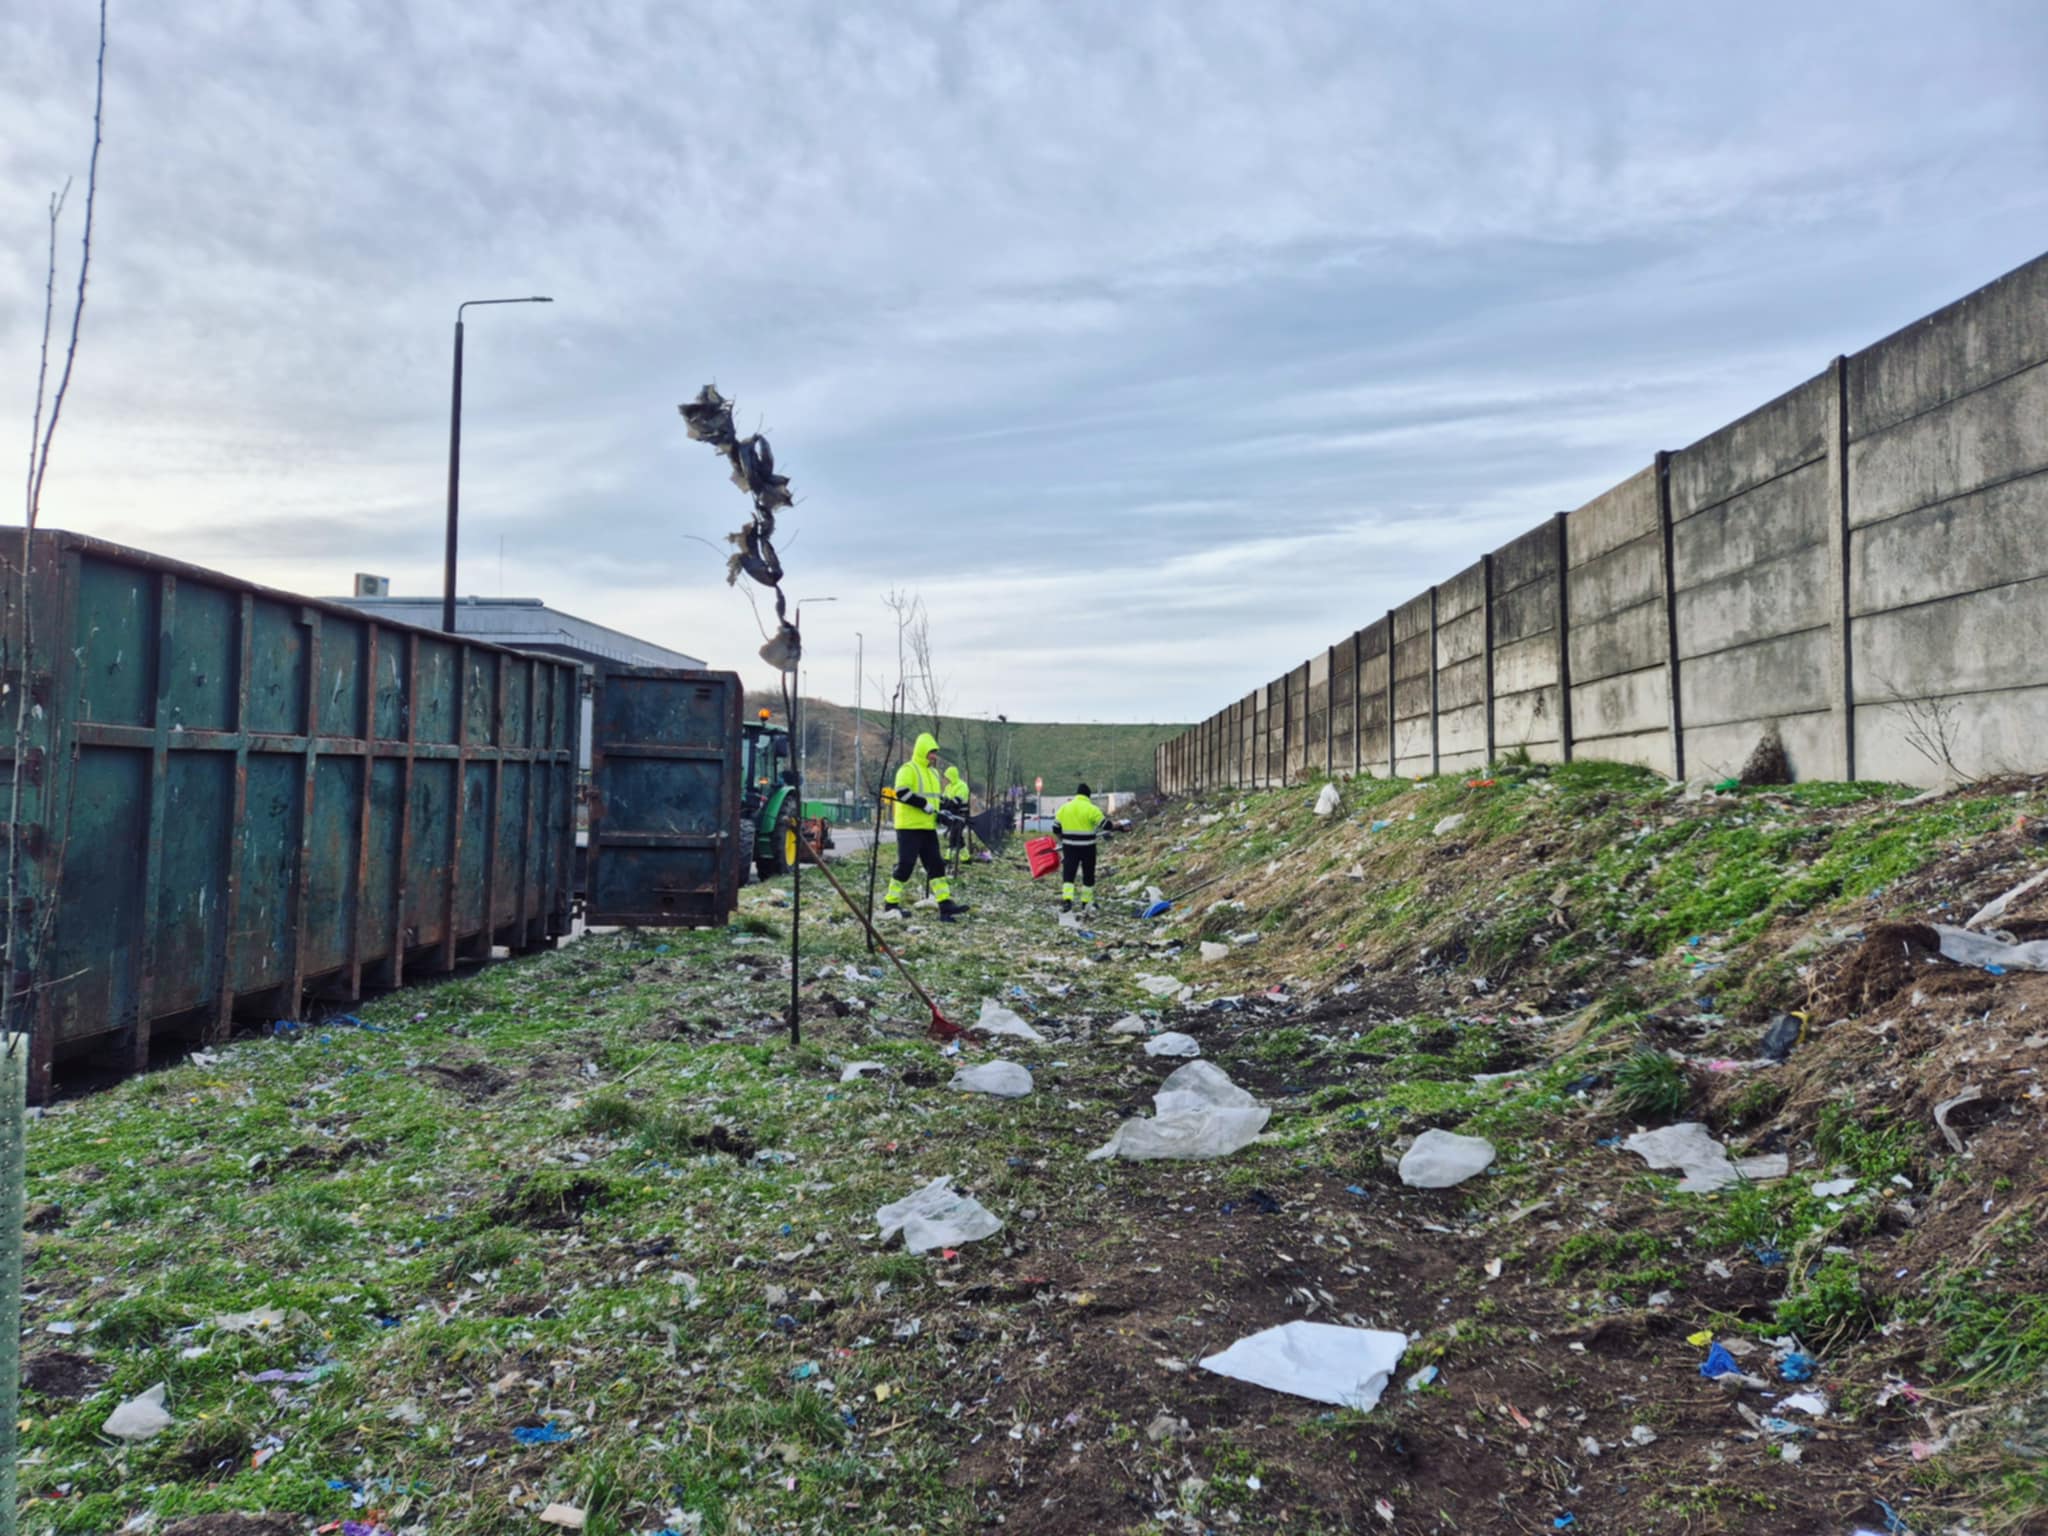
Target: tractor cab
768, 808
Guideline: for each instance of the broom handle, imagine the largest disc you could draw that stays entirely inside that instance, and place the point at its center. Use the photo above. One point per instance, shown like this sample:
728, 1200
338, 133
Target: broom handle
851, 906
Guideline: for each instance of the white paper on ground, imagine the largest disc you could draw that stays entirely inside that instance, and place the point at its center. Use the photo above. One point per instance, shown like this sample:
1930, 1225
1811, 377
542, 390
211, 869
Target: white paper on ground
1690, 1148
1214, 951
1159, 986
1326, 1363
997, 1020
1129, 1024
854, 1071
1441, 1159
1004, 1079
937, 1216
140, 1418
1448, 824
1834, 1187
1200, 1085
1173, 1043
1980, 950
1187, 1133
1328, 801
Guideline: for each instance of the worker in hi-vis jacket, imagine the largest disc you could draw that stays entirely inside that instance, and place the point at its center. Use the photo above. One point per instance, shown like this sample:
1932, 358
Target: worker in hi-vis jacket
1080, 823
919, 788
953, 808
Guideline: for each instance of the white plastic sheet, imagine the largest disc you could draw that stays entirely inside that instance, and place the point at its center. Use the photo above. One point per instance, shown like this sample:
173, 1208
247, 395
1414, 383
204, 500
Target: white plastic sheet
1004, 1079
1211, 950
1448, 824
997, 1020
1323, 1362
1441, 1159
1328, 801
1200, 1085
1691, 1149
1129, 1024
937, 1216
1981, 950
1173, 1043
140, 1418
1161, 986
854, 1071
1201, 1113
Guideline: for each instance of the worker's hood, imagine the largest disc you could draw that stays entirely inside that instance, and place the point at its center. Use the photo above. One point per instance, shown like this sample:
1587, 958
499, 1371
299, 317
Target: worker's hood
921, 754
953, 775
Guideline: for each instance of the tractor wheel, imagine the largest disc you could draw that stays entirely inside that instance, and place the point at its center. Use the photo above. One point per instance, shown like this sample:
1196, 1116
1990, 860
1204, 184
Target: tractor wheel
780, 853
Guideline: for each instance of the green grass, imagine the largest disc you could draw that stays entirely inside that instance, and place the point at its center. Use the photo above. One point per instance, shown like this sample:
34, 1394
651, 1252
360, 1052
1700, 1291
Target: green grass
1651, 1085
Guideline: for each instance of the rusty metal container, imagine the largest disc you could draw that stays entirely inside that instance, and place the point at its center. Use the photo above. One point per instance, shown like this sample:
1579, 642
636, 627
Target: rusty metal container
236, 800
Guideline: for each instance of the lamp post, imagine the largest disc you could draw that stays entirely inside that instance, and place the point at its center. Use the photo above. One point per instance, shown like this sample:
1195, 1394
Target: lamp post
859, 691
455, 458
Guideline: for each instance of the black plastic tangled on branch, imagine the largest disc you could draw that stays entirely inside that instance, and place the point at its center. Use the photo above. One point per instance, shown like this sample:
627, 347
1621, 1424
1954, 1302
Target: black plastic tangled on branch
708, 419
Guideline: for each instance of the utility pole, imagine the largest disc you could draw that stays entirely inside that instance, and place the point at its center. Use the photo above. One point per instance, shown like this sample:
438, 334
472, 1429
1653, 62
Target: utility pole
455, 460
859, 688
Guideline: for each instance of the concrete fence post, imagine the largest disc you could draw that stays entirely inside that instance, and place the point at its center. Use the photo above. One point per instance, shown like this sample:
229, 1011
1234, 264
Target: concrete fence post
1841, 668
1330, 712
1393, 747
1675, 704
1486, 646
1564, 639
1357, 706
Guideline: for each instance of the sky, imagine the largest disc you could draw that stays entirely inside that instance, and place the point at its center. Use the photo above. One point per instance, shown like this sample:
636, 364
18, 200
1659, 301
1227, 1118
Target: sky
1155, 344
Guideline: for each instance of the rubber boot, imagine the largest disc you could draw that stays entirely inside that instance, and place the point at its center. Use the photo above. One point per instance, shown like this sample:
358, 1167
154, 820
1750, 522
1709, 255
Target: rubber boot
950, 911
1066, 906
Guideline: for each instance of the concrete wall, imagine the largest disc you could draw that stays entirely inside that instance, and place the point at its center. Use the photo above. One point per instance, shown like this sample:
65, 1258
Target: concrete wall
1862, 562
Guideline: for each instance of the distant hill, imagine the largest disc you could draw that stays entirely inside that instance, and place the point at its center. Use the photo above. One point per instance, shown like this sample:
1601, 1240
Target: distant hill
1108, 757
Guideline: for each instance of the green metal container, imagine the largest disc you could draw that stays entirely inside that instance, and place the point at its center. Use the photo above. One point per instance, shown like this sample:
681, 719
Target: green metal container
235, 800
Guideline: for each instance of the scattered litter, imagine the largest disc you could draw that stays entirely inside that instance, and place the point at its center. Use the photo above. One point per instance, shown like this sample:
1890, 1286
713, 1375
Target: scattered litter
1440, 1159
1797, 1366
1834, 1188
541, 1434
1780, 1039
854, 1071
1173, 1043
1200, 1085
140, 1418
1450, 823
1165, 1426
1004, 1079
1718, 1363
1129, 1024
1326, 1363
568, 1516
1814, 1403
1993, 910
1982, 951
997, 1020
1161, 986
1691, 1148
937, 1216
1426, 1377
1200, 1113
1946, 1107
1328, 801
1642, 1434
262, 1319
1214, 951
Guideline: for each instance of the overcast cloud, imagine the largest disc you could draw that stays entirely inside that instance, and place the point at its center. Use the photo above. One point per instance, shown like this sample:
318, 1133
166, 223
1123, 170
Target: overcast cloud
1156, 343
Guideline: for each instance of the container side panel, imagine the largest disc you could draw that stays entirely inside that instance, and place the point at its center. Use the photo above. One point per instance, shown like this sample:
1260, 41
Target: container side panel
115, 637
433, 828
192, 885
329, 922
480, 698
434, 709
263, 950
506, 874
203, 654
387, 813
518, 699
277, 671
476, 845
342, 647
389, 689
97, 936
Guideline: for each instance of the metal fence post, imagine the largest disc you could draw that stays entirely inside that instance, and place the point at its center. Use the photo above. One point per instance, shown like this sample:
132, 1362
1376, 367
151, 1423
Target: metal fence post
14, 1058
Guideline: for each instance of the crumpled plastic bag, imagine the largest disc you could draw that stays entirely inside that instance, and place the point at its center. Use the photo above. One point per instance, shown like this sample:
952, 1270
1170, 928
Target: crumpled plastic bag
262, 1320
1129, 1024
1328, 801
1173, 1043
1690, 1148
1981, 950
1201, 1113
937, 1216
1441, 1159
997, 1020
854, 1071
1323, 1362
1200, 1085
140, 1418
1004, 1079
1449, 824
1161, 986
1214, 951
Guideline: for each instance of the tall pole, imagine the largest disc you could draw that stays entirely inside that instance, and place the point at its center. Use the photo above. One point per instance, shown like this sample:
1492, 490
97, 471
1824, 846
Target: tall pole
859, 678
454, 484
455, 459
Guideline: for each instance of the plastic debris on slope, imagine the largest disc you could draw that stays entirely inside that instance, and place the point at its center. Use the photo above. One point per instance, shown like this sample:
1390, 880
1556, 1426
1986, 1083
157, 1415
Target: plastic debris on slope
1173, 1043
1326, 1363
1983, 951
1441, 1159
854, 1071
1003, 1079
1691, 1149
1328, 801
1214, 951
1161, 986
1129, 1024
937, 1216
1201, 1113
997, 1020
140, 1418
1449, 824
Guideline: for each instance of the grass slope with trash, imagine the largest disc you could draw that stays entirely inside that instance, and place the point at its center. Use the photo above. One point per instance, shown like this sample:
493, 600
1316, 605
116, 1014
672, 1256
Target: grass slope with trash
581, 1242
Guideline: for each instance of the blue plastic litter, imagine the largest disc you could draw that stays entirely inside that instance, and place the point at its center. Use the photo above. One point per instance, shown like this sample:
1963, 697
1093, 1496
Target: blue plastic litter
1767, 1256
1608, 1141
1718, 1363
1797, 1366
543, 1434
1563, 1520
1353, 1189
1995, 970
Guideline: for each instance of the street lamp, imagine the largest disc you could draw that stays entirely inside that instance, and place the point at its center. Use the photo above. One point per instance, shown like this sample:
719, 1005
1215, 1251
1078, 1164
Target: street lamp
455, 458
859, 694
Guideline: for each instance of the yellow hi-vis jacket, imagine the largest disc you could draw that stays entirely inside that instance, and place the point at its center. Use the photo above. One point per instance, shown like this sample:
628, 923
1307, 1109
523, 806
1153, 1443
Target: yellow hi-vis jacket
919, 777
956, 789
1078, 821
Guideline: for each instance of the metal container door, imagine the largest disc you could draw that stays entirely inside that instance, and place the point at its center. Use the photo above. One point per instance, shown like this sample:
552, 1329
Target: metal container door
665, 848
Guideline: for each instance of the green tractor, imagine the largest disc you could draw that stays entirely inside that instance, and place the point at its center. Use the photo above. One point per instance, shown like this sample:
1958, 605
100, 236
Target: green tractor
768, 804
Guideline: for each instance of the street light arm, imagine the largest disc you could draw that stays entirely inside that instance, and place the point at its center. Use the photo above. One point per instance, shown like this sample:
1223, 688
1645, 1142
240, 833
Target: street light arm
467, 303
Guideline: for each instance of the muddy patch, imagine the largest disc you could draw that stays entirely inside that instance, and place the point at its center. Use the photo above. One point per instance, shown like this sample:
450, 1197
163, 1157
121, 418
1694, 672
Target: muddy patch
470, 1080
236, 1524
547, 1204
56, 1374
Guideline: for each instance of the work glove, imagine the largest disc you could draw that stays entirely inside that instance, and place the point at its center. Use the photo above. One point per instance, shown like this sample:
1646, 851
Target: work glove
916, 802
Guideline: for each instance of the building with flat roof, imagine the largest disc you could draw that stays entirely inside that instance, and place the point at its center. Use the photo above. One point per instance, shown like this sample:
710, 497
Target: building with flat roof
527, 624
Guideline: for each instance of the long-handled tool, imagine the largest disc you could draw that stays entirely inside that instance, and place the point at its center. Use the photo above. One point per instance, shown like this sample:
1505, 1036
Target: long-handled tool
942, 1028
1161, 908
